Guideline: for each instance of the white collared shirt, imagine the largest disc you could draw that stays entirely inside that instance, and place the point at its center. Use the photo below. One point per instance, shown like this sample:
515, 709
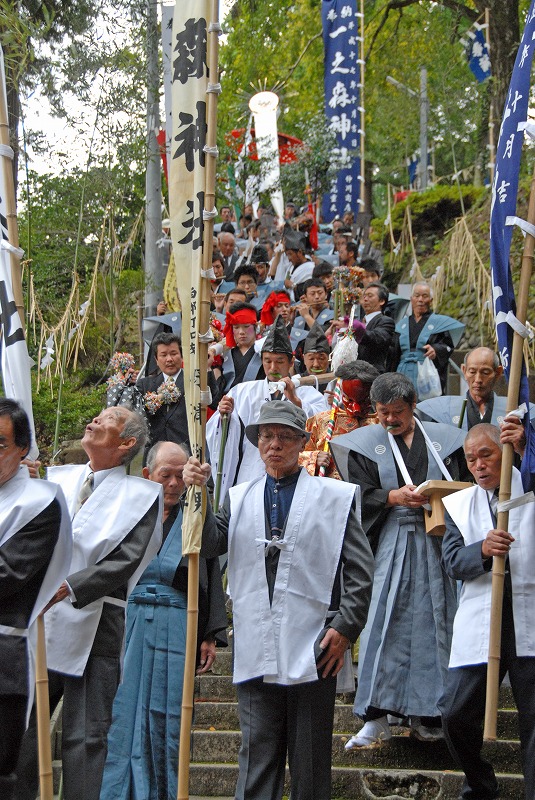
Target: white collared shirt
370, 316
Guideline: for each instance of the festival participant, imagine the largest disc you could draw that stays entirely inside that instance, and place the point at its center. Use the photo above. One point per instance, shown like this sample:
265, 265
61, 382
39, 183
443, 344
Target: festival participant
277, 304
353, 412
298, 602
404, 648
164, 393
325, 272
349, 253
143, 740
35, 550
425, 334
246, 278
116, 522
316, 351
301, 267
313, 306
227, 248
242, 405
470, 543
481, 370
376, 332
241, 361
396, 306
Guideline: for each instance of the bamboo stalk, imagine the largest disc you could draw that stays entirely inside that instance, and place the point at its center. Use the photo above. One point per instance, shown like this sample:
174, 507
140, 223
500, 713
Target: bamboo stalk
46, 784
498, 562
219, 475
204, 322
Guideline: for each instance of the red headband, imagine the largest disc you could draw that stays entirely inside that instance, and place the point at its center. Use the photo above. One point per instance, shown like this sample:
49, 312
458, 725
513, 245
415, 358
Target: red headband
266, 314
245, 316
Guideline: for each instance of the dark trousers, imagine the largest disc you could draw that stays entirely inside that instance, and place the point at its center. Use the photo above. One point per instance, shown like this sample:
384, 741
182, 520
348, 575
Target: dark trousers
86, 718
12, 724
463, 712
276, 720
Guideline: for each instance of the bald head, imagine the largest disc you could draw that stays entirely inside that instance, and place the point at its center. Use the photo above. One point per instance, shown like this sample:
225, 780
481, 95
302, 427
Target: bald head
481, 370
165, 464
483, 451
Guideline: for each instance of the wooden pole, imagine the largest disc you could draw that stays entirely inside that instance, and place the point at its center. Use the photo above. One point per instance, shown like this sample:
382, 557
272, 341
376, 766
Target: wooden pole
10, 205
498, 562
204, 324
46, 783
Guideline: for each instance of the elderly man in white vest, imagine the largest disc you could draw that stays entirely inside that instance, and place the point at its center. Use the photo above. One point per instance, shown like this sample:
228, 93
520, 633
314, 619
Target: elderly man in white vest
35, 550
117, 530
470, 543
300, 575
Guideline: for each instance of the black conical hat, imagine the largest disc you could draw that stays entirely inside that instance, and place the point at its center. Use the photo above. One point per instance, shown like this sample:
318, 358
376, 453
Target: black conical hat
316, 341
277, 340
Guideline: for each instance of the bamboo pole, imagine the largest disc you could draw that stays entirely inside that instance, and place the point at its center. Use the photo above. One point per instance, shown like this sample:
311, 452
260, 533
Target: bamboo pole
204, 322
362, 193
498, 562
46, 783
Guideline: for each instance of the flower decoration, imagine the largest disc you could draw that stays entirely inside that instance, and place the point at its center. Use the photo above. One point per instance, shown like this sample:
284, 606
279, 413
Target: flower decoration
167, 393
122, 365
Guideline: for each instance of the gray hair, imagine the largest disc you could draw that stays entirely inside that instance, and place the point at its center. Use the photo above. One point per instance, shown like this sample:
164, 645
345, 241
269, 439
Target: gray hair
486, 429
390, 387
357, 371
422, 283
152, 456
135, 425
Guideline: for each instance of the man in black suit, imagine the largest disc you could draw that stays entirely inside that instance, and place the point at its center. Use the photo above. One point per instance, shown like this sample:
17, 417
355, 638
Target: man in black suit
30, 525
227, 248
168, 421
375, 332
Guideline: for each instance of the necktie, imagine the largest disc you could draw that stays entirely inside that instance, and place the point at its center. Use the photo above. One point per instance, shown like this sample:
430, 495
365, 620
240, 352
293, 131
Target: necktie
494, 505
86, 490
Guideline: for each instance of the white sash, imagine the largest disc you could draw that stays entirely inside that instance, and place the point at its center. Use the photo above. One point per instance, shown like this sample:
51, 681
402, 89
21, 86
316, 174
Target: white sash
401, 464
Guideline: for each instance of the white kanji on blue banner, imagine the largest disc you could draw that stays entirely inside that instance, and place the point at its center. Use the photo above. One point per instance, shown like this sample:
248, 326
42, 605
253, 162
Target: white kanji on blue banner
504, 197
343, 71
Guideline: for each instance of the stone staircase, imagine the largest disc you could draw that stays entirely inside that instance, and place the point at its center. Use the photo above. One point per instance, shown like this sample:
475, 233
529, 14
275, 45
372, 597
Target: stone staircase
403, 768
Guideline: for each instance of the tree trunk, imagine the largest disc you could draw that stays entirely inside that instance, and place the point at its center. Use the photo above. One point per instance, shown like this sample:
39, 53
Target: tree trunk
504, 36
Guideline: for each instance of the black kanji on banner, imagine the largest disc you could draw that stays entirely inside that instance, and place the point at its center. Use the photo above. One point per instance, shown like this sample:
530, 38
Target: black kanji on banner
190, 45
7, 310
193, 223
191, 137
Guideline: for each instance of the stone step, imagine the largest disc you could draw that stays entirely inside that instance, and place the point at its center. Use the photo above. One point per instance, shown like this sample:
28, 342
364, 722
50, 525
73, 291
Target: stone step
349, 783
218, 687
401, 750
224, 716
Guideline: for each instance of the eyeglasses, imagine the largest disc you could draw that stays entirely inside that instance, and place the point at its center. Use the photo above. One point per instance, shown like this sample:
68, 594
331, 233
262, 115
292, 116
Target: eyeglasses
268, 436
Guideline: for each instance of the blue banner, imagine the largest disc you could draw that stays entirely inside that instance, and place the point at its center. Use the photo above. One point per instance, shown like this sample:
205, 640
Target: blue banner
343, 68
478, 55
503, 214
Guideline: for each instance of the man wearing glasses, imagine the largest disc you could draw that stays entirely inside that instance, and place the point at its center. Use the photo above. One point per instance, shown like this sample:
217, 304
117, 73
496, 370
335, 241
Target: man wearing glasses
300, 582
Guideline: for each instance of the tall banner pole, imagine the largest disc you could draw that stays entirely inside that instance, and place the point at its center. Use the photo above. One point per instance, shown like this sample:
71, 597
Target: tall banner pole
362, 129
17, 385
510, 318
191, 203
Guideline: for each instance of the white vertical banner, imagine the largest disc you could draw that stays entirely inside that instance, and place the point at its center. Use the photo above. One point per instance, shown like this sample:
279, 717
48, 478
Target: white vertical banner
16, 362
264, 108
167, 63
186, 205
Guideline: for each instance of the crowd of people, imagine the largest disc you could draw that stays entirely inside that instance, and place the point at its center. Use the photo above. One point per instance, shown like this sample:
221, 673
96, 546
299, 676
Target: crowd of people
322, 520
